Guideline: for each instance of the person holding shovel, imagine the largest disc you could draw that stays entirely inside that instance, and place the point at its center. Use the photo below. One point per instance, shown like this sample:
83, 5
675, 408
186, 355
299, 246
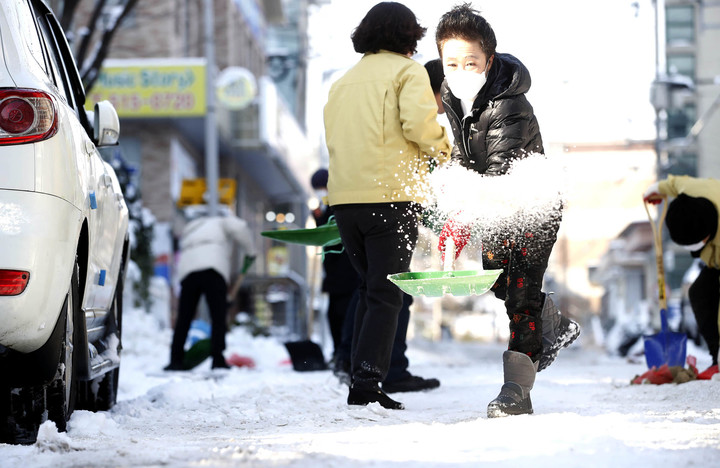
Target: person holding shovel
494, 125
341, 282
692, 222
382, 139
204, 269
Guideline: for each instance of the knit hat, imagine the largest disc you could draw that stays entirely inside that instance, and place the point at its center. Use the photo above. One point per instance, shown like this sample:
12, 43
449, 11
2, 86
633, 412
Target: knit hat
691, 219
319, 179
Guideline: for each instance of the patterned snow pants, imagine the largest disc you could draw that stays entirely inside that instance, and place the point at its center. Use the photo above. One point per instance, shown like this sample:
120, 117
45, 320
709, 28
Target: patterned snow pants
523, 257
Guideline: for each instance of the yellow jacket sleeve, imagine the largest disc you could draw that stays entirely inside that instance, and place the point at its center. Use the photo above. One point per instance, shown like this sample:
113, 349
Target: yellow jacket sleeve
418, 115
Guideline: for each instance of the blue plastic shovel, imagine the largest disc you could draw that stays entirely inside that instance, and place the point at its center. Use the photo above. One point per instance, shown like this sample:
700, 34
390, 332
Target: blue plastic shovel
665, 347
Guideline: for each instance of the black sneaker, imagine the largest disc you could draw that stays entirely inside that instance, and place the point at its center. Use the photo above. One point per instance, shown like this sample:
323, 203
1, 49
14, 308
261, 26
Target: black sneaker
174, 366
363, 393
220, 364
412, 383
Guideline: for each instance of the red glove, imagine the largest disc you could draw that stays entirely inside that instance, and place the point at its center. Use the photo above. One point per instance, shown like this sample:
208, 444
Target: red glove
652, 195
458, 232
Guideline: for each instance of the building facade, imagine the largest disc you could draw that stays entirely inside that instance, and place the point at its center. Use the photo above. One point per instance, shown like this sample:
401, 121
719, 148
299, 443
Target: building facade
686, 92
155, 76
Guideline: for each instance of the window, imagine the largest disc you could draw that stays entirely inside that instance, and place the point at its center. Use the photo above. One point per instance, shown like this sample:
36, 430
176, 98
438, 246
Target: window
29, 35
56, 61
680, 120
681, 64
58, 74
59, 51
679, 163
680, 24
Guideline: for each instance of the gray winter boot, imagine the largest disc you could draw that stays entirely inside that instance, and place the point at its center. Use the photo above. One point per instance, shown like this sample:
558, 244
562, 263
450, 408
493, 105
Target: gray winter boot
514, 397
558, 333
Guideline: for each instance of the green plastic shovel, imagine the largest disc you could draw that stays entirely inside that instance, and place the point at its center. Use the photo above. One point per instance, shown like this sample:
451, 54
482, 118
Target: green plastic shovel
449, 281
321, 236
439, 283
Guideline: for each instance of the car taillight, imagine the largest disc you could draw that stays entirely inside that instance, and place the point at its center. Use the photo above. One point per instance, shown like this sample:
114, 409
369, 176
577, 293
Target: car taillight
13, 282
26, 116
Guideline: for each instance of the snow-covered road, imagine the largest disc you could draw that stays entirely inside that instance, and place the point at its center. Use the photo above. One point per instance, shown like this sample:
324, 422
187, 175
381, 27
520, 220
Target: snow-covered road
586, 414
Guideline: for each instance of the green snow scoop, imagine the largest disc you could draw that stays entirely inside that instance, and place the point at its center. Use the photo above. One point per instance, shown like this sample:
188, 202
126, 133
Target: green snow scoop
448, 281
439, 283
321, 236
197, 353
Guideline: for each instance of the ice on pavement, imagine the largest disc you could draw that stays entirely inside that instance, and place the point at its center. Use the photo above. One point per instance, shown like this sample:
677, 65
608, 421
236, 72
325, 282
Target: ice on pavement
586, 414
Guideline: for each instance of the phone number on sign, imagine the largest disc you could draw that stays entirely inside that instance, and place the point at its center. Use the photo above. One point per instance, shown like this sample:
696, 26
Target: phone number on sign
156, 102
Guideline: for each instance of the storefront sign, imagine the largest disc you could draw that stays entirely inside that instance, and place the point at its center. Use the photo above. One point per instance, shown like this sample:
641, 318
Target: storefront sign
235, 88
151, 88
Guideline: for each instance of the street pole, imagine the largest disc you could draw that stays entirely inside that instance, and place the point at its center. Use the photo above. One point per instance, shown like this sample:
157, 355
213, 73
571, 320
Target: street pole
211, 131
658, 126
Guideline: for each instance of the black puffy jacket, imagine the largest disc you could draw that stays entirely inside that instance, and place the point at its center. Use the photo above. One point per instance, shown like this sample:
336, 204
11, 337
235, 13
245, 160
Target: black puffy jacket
502, 126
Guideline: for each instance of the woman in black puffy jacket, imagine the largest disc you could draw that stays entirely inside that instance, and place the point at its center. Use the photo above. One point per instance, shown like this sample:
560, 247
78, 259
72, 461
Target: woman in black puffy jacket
494, 125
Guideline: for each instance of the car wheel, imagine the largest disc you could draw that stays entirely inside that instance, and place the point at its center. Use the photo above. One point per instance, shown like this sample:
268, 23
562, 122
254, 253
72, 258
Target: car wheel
21, 411
62, 391
100, 394
107, 394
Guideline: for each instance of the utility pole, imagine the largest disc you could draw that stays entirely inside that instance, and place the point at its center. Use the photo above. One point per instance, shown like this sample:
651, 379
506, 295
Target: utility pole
660, 113
211, 131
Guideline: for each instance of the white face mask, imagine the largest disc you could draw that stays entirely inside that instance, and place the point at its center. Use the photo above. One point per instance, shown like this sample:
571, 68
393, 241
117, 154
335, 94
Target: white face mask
466, 85
694, 247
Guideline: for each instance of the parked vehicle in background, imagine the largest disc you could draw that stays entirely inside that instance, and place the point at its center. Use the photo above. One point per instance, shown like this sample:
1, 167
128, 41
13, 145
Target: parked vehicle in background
63, 232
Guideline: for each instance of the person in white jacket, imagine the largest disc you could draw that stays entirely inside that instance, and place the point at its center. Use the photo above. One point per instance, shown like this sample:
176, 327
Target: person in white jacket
204, 269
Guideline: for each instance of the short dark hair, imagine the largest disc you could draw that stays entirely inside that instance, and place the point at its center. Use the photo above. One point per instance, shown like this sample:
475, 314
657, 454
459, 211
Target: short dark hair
435, 71
388, 25
464, 22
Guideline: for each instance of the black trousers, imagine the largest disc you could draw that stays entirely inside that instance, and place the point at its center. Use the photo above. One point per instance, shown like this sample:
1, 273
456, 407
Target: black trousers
380, 239
399, 362
211, 284
338, 307
523, 257
705, 298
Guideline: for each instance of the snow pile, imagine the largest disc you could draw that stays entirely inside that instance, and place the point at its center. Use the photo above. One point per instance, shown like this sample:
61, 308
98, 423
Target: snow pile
50, 440
586, 413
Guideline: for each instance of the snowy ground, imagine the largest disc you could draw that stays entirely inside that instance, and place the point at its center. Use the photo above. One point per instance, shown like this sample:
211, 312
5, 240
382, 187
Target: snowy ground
586, 414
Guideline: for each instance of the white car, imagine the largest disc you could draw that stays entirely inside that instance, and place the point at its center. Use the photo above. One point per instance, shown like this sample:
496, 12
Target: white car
63, 232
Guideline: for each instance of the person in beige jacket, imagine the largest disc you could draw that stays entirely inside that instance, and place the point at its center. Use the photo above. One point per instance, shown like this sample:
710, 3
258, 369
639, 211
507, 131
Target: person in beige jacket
382, 138
692, 222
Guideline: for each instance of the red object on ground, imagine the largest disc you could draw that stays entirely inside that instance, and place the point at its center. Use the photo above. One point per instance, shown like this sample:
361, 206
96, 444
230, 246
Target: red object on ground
241, 361
656, 375
704, 375
708, 373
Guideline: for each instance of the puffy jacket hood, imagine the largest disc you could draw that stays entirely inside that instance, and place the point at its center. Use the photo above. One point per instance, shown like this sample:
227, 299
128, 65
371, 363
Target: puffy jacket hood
508, 77
501, 126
